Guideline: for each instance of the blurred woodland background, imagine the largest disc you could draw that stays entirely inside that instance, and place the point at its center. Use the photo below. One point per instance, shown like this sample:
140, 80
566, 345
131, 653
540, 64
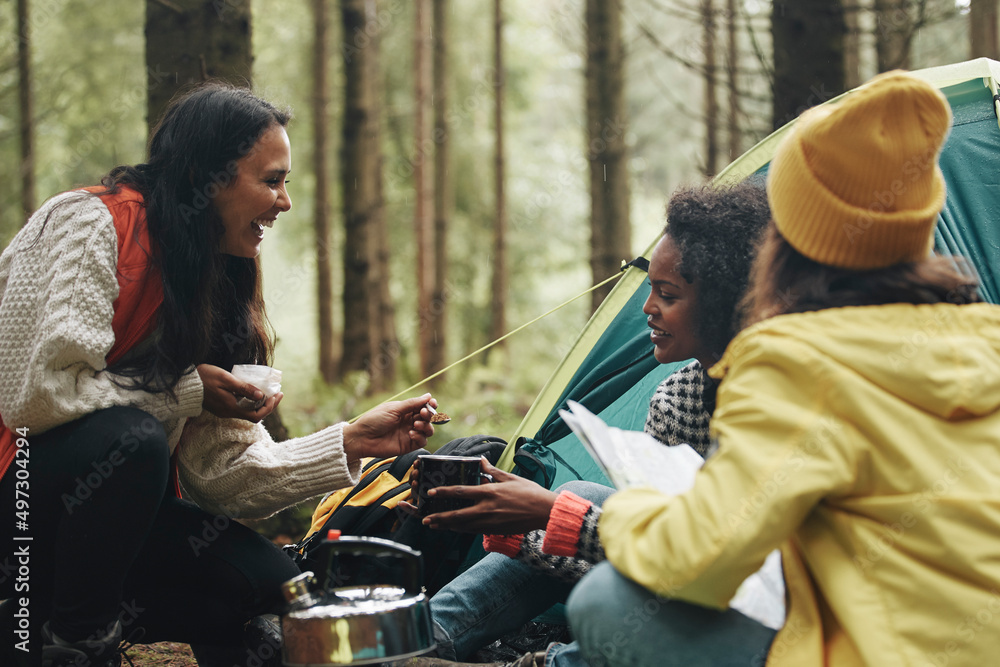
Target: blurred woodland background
459, 166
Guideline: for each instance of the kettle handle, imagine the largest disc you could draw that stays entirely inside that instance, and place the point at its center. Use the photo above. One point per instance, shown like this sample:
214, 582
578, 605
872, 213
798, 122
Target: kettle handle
373, 546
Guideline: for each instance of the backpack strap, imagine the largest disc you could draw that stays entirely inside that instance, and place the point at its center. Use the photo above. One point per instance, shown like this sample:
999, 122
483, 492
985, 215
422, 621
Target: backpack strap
489, 446
371, 470
401, 466
375, 516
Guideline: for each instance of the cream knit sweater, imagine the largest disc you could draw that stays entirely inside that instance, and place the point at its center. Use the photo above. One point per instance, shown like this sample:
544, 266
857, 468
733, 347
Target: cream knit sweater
56, 294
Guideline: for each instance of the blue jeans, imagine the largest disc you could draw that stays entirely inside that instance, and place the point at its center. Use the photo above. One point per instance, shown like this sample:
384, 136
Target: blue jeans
618, 622
498, 595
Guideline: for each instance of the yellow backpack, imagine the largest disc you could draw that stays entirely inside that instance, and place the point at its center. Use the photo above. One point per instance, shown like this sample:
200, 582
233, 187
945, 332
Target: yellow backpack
370, 508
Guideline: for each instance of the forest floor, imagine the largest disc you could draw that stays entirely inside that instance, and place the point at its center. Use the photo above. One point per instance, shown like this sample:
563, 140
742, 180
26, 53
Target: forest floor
163, 654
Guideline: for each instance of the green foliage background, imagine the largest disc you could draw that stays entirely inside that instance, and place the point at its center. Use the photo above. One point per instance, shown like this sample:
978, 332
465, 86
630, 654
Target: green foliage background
90, 115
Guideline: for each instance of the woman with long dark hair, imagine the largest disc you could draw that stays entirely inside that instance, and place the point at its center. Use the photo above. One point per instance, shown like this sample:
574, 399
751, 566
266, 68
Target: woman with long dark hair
858, 422
123, 308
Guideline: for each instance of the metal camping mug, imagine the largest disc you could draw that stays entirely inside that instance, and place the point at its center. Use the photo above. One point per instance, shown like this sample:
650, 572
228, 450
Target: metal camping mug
437, 470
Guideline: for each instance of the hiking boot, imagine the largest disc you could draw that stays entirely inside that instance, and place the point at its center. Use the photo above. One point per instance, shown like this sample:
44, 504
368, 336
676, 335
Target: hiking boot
90, 652
263, 635
261, 646
526, 660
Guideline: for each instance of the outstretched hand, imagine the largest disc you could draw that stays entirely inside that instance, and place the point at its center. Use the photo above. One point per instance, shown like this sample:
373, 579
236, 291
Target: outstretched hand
390, 429
223, 391
510, 505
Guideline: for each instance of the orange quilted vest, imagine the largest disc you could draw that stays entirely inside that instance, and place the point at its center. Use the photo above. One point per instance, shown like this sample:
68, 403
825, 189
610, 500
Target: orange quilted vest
140, 291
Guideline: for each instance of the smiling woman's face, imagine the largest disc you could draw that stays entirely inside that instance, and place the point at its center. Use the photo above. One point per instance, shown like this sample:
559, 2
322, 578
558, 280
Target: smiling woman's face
670, 308
257, 195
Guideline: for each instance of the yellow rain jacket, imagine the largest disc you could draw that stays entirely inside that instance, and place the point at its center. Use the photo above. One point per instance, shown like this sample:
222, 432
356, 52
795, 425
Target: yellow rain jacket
865, 442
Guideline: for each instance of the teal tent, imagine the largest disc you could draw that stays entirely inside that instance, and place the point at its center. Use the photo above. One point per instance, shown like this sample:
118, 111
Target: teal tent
611, 369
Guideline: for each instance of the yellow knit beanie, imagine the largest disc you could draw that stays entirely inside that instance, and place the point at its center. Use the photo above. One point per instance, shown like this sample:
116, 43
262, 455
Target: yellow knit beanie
856, 184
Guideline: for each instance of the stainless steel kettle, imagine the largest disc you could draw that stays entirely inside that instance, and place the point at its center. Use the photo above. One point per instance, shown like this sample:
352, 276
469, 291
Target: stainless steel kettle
358, 624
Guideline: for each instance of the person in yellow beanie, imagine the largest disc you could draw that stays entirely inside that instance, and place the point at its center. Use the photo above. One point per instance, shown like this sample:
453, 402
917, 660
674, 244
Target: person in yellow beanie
858, 424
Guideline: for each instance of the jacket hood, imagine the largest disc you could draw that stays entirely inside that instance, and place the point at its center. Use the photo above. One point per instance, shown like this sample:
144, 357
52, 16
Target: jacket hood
942, 358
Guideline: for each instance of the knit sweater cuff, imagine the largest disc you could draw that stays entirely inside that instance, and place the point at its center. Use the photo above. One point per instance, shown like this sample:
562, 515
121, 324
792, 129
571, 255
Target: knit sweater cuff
321, 462
190, 395
562, 533
233, 467
508, 545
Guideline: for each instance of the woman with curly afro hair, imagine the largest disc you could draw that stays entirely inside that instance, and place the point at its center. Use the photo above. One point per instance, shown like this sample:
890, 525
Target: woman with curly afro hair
697, 274
715, 232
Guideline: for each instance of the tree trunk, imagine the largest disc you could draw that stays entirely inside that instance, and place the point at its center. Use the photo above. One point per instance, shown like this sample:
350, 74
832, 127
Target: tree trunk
26, 117
321, 171
499, 281
983, 29
894, 27
610, 240
190, 41
442, 193
711, 101
361, 175
852, 44
422, 213
732, 58
358, 181
386, 343
808, 38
